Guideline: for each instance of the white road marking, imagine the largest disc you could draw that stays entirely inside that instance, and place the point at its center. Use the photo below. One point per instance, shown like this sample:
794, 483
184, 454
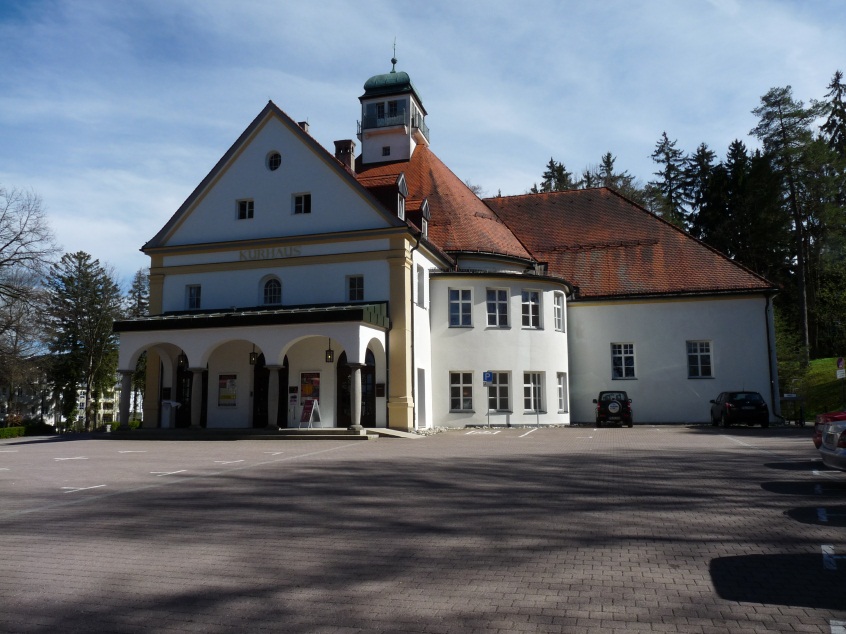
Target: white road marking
274, 453
133, 451
829, 558
74, 458
584, 437
482, 431
228, 461
528, 432
4, 469
8, 451
350, 446
75, 489
159, 474
838, 627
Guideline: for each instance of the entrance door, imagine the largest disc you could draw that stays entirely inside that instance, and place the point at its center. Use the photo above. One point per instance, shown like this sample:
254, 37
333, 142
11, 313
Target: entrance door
368, 392
184, 385
261, 383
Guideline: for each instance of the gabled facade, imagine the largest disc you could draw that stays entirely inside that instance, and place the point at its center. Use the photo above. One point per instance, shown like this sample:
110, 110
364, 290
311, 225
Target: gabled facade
380, 291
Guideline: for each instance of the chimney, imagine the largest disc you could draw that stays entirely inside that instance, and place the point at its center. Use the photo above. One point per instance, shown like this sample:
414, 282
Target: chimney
303, 125
345, 152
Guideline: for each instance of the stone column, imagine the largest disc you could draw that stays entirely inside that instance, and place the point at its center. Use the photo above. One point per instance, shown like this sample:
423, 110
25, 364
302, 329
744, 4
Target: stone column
125, 395
355, 395
196, 396
273, 396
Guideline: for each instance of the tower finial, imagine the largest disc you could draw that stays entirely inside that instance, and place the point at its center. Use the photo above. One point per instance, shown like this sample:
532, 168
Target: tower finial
394, 58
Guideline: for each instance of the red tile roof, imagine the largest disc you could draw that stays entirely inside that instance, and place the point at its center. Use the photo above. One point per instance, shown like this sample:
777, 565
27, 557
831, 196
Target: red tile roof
609, 246
459, 220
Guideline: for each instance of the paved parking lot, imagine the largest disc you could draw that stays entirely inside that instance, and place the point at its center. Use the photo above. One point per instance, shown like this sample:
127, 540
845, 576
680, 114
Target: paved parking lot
651, 529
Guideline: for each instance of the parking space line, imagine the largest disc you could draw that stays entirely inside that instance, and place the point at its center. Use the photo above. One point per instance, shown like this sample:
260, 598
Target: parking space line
74, 458
227, 461
75, 489
133, 451
163, 483
484, 432
529, 432
8, 451
159, 474
274, 453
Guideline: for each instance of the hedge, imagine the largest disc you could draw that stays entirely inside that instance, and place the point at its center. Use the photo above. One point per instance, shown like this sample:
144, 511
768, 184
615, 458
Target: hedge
12, 432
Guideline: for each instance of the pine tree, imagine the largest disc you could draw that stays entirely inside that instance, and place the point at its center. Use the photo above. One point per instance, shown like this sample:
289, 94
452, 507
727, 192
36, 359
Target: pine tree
784, 129
81, 303
697, 174
834, 111
137, 306
556, 178
669, 186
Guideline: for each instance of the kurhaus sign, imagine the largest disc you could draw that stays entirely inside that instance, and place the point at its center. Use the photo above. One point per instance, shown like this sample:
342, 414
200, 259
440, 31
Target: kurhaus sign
270, 254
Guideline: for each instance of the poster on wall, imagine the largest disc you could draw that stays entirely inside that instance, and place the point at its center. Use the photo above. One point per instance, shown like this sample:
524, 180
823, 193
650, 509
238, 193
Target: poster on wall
227, 390
309, 386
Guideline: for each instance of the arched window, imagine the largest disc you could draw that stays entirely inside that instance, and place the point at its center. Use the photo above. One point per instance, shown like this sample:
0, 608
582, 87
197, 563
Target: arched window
272, 292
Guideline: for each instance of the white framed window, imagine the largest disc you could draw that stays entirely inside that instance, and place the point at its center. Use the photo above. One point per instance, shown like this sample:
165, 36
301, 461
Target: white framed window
424, 227
533, 392
401, 206
563, 397
193, 296
302, 203
355, 288
622, 361
497, 303
498, 392
421, 286
461, 391
699, 365
558, 310
531, 309
460, 304
272, 292
246, 209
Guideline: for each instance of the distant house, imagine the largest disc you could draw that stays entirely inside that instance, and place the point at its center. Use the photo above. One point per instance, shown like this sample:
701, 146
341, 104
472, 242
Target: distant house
380, 291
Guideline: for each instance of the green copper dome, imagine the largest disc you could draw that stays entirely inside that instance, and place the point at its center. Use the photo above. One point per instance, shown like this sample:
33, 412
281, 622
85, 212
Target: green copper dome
393, 83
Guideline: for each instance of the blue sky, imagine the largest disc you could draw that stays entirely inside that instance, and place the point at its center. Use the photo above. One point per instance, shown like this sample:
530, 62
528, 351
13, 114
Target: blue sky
114, 110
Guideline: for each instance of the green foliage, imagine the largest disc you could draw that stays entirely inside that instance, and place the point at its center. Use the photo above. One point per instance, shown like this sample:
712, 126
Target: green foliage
38, 428
12, 432
823, 392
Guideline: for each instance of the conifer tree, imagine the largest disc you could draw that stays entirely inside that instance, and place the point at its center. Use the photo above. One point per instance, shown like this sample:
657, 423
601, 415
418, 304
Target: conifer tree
668, 188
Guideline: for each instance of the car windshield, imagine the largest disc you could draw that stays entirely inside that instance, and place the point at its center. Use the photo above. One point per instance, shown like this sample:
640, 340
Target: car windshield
746, 396
613, 396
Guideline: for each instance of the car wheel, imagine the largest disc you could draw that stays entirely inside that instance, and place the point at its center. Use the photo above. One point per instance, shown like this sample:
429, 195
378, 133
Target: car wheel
599, 423
724, 420
631, 424
714, 421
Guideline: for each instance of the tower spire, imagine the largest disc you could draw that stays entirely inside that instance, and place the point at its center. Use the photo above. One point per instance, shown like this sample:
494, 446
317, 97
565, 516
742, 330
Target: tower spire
394, 58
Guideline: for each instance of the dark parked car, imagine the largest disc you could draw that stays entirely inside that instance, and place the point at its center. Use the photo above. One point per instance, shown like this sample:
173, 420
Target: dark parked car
613, 407
740, 407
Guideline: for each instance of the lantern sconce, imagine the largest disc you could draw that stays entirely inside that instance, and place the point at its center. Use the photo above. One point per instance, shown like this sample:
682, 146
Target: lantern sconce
182, 360
253, 356
330, 354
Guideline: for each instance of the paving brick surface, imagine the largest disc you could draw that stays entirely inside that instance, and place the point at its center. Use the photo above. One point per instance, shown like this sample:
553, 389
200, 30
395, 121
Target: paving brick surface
650, 529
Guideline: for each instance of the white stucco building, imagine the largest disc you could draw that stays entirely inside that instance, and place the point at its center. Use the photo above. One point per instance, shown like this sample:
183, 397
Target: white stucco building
382, 292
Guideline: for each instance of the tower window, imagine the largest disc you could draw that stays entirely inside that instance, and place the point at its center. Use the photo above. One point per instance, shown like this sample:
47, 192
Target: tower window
386, 150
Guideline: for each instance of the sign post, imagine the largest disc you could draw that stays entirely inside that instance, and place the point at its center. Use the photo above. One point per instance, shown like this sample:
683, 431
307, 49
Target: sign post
487, 379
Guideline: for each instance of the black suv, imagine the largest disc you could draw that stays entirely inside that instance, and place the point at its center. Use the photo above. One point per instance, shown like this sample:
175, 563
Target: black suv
613, 407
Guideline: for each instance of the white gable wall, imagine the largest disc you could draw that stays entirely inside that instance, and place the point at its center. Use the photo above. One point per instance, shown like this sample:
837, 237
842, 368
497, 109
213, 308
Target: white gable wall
659, 330
336, 204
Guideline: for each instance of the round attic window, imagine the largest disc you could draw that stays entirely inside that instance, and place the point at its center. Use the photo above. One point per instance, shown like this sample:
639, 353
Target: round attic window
274, 160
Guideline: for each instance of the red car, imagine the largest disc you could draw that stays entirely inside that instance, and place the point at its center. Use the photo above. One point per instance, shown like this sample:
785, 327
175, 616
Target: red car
821, 421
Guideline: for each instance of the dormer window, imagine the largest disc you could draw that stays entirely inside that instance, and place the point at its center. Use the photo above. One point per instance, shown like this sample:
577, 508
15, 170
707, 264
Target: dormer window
401, 206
